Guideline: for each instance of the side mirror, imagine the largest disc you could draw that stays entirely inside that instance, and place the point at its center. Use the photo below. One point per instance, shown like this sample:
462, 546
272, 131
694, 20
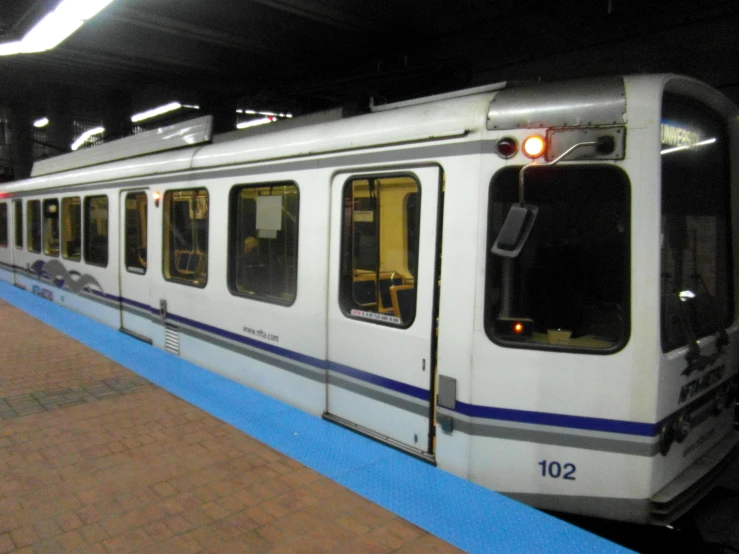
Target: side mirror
515, 231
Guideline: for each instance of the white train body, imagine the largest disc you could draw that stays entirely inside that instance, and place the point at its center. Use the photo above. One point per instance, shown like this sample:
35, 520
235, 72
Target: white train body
614, 423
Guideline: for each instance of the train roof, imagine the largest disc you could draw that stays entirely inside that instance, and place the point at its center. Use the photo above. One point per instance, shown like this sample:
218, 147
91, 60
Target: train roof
453, 116
447, 116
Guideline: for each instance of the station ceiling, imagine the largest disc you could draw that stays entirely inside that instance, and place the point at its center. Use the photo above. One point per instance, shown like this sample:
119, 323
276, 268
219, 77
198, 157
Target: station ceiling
307, 55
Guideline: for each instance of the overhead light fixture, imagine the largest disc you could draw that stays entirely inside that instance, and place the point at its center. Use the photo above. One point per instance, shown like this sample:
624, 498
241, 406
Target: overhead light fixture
254, 122
268, 114
84, 137
43, 122
55, 26
154, 112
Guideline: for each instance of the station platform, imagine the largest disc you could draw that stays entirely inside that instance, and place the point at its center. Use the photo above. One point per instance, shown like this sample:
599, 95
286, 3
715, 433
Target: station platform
126, 448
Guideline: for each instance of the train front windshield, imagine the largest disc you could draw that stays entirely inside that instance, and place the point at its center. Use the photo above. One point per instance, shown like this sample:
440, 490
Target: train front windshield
570, 285
697, 277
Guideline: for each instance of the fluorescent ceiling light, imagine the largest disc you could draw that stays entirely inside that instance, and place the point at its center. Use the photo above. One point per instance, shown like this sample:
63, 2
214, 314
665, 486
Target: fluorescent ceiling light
686, 295
255, 112
148, 114
55, 26
43, 122
83, 138
254, 122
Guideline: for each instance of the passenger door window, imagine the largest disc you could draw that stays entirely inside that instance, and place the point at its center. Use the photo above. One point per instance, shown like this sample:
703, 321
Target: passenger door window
4, 224
18, 221
136, 232
96, 230
34, 226
72, 228
186, 236
380, 249
51, 227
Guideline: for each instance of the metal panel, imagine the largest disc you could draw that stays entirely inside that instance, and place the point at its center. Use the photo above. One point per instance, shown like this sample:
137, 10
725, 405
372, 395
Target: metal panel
179, 135
447, 392
586, 102
171, 339
559, 140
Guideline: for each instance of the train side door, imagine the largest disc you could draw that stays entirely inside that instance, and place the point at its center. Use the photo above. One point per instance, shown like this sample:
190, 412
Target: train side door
381, 315
18, 243
135, 281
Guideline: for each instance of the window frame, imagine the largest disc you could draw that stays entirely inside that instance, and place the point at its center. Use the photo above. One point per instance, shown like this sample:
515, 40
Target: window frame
491, 268
86, 245
45, 232
5, 227
136, 195
66, 203
166, 238
690, 108
233, 242
29, 232
18, 227
346, 252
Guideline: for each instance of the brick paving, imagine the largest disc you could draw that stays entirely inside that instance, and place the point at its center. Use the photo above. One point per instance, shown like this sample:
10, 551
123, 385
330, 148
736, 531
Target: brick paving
94, 458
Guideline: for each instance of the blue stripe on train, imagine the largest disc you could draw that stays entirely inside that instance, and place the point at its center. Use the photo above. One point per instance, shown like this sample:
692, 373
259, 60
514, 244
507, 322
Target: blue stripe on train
462, 408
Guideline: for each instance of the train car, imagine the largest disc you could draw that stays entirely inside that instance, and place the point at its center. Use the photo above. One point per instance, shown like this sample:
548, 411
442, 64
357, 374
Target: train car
532, 287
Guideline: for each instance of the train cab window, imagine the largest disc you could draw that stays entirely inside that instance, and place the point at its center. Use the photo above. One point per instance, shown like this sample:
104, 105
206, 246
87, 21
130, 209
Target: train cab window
3, 224
34, 226
72, 228
568, 289
380, 231
51, 227
697, 288
18, 223
185, 257
263, 242
136, 232
96, 230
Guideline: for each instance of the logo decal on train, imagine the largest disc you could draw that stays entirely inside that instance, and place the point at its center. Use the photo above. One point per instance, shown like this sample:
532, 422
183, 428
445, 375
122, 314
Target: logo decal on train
692, 388
55, 272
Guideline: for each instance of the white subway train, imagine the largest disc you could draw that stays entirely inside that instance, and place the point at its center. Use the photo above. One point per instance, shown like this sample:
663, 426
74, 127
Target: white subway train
565, 334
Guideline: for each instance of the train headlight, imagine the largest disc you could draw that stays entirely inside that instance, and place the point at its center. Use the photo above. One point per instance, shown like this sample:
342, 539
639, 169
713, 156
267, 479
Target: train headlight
534, 146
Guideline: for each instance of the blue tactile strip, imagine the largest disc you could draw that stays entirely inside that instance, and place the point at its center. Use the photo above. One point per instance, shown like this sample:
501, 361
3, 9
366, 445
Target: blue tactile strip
455, 510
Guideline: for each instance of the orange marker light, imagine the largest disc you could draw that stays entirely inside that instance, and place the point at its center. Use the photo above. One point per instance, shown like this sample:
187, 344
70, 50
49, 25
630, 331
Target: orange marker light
156, 196
534, 146
518, 328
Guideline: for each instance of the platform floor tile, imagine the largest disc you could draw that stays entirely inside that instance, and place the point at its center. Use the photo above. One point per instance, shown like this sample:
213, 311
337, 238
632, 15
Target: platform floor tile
94, 458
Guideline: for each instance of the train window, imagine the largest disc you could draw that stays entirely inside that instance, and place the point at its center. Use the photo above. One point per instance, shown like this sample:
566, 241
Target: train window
34, 226
185, 257
72, 228
18, 223
697, 279
3, 224
136, 232
380, 231
96, 230
569, 287
51, 227
263, 240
